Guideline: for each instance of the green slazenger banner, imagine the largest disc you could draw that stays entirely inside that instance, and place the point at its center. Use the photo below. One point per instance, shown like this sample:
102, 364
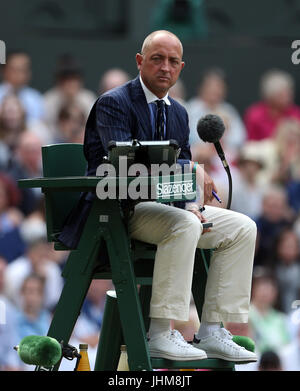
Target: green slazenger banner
178, 187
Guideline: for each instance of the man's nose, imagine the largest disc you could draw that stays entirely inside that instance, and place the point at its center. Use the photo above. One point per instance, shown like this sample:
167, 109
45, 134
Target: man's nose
165, 66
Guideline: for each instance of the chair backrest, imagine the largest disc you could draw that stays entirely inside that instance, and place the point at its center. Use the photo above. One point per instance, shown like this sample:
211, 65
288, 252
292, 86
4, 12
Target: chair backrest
61, 160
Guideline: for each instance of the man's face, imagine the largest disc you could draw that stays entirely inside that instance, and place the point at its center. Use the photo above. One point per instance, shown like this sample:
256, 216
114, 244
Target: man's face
17, 71
161, 64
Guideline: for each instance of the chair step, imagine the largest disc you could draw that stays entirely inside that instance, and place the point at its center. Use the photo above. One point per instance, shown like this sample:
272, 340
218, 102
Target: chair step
209, 363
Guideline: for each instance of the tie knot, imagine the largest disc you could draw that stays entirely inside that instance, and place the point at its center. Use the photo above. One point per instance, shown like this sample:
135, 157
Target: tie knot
160, 104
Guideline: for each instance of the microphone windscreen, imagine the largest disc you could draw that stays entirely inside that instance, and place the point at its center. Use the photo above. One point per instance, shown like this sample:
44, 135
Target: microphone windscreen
210, 128
39, 350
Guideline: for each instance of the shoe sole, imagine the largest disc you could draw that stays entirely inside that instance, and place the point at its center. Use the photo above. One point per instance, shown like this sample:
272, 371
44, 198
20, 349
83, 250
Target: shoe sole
168, 356
226, 358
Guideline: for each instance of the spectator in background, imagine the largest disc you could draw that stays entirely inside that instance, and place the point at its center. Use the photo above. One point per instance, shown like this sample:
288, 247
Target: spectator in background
32, 318
5, 156
93, 307
177, 92
69, 89
8, 331
88, 325
268, 327
34, 261
27, 163
286, 170
13, 123
293, 192
269, 361
247, 194
287, 269
16, 75
71, 124
287, 146
275, 216
11, 243
210, 99
280, 156
33, 227
297, 227
204, 154
113, 78
277, 104
290, 354
12, 120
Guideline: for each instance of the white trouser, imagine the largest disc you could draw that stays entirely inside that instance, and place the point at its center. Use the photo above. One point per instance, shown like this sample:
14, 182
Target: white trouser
177, 233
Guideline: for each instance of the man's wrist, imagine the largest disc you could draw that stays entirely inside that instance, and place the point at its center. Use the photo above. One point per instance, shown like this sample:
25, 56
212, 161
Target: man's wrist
194, 207
191, 208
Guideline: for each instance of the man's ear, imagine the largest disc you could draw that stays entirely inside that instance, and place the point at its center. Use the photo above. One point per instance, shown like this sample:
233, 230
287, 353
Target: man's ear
182, 64
139, 60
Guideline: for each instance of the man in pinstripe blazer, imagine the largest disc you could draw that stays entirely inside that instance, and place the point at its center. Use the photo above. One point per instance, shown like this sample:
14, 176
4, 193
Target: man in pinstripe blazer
132, 111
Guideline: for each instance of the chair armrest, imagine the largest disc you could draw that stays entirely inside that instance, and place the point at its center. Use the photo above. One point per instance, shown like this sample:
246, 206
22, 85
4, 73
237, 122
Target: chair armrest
78, 182
75, 183
161, 188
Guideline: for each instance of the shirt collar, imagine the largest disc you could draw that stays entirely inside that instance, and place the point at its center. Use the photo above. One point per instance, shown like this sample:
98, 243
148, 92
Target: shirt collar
150, 97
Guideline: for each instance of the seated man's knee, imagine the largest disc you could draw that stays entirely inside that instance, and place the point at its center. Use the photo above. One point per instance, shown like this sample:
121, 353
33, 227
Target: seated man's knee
249, 227
192, 224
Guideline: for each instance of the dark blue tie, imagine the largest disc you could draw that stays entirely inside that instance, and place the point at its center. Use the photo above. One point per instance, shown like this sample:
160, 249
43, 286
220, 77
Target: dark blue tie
160, 120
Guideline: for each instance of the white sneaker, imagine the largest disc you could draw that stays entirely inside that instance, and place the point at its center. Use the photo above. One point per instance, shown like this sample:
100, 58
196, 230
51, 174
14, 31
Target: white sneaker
172, 346
220, 345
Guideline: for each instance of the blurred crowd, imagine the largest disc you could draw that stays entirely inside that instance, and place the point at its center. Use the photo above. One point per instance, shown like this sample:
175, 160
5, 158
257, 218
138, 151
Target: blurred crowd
262, 146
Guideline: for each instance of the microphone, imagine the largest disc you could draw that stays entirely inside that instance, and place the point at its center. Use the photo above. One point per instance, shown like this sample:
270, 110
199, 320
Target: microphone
211, 129
39, 350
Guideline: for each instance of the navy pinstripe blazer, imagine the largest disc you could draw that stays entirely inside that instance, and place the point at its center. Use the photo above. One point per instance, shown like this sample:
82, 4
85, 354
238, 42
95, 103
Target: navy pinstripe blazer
121, 114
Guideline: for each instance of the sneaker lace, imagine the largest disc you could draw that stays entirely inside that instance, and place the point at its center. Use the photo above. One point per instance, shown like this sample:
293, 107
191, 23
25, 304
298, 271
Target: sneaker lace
178, 339
225, 333
226, 338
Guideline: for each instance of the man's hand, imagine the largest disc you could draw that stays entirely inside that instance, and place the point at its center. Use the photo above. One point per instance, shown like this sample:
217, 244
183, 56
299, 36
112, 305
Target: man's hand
206, 183
200, 217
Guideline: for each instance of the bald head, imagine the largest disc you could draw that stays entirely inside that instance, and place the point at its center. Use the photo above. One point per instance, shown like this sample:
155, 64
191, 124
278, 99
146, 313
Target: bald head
160, 61
29, 151
113, 78
160, 34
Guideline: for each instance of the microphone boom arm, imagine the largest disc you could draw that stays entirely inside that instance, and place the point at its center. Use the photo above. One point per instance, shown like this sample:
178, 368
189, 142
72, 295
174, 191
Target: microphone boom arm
221, 154
227, 169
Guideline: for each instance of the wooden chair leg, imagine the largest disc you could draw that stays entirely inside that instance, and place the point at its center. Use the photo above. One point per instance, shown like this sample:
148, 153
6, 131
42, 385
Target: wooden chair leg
72, 297
108, 351
68, 309
124, 280
78, 274
145, 297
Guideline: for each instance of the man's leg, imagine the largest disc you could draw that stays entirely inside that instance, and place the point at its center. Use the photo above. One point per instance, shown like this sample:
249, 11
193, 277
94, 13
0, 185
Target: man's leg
227, 294
228, 287
176, 233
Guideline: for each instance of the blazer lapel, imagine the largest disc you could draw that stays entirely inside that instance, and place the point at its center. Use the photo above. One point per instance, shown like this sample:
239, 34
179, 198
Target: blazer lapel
140, 107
